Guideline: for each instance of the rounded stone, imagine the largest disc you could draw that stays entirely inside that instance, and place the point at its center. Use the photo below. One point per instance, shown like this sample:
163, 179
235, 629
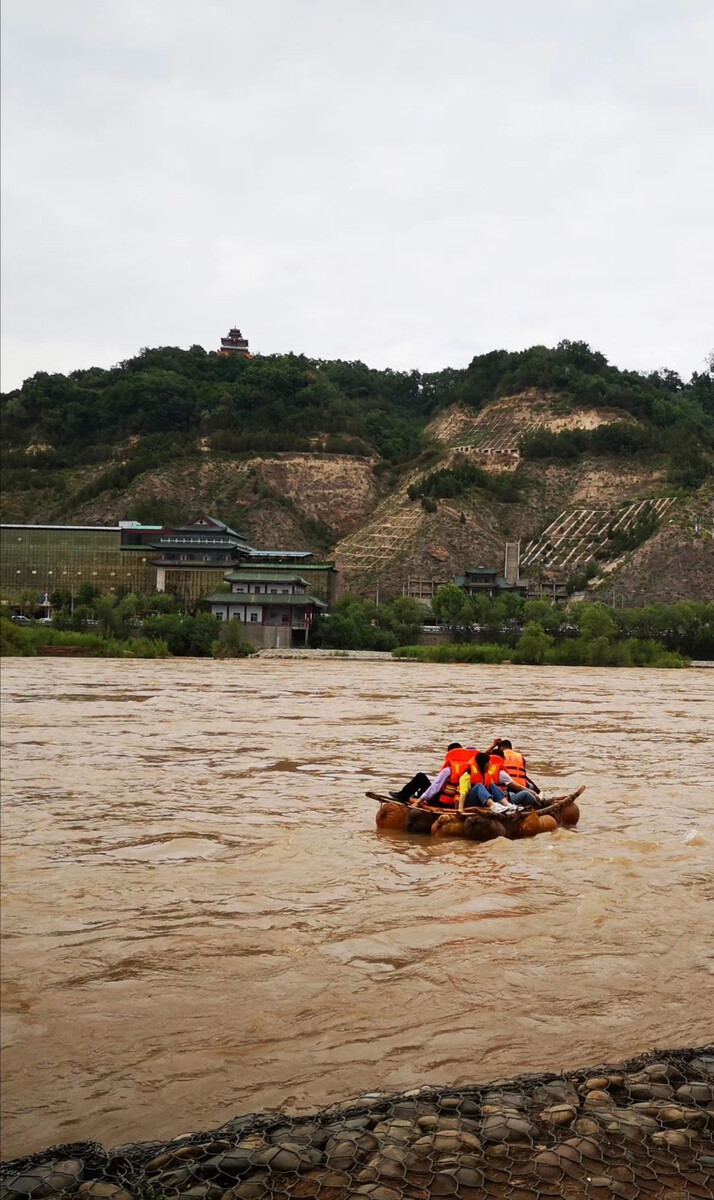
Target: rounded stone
703, 1063
586, 1125
558, 1091
361, 1138
203, 1191
699, 1093
672, 1114
506, 1128
497, 1150
432, 1122
250, 1189
547, 1165
398, 1130
238, 1162
102, 1189
443, 1184
597, 1083
598, 1098
288, 1157
661, 1071
587, 1148
192, 1153
559, 1114
628, 1124
46, 1179
674, 1138
390, 1161
646, 1108
505, 1099
377, 1192
308, 1134
655, 1091
156, 1164
174, 1179
445, 1141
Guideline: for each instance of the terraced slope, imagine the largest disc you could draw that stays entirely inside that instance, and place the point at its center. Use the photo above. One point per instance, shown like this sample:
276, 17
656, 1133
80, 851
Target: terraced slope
576, 535
501, 426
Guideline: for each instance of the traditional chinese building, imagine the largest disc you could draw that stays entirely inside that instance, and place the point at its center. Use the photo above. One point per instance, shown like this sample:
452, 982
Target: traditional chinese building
192, 560
479, 581
235, 343
274, 605
189, 561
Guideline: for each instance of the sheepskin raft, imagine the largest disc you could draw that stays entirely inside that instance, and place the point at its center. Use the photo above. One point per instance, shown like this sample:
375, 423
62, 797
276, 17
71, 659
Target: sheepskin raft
478, 825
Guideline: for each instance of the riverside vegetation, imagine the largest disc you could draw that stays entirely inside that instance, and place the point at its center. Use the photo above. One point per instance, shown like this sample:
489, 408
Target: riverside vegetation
486, 630
124, 626
483, 630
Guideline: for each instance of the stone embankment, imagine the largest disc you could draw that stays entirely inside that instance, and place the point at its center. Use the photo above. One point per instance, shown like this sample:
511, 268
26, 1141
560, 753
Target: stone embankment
376, 655
640, 1129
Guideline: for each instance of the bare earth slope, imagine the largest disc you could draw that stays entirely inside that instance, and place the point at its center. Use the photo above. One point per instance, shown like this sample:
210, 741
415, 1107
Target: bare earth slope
341, 505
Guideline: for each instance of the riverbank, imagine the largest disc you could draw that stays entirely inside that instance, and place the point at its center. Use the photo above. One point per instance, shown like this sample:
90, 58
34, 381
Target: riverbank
328, 655
635, 1128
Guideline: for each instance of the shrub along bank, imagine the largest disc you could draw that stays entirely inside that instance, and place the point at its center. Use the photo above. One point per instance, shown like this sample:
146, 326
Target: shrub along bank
30, 640
535, 647
584, 634
161, 637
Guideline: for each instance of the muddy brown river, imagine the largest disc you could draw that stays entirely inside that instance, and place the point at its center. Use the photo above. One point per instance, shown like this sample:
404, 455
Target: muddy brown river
200, 918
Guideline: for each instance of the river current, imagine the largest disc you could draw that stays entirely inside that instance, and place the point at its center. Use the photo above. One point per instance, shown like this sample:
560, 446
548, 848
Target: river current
200, 919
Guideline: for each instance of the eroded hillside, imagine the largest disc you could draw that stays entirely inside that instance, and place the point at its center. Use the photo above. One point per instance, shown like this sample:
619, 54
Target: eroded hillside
398, 476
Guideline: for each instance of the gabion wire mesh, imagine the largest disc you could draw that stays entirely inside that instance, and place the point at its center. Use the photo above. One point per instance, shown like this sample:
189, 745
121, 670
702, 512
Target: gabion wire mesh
638, 1130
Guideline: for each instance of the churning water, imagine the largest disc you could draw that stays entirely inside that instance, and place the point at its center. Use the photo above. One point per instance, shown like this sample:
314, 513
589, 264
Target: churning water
200, 918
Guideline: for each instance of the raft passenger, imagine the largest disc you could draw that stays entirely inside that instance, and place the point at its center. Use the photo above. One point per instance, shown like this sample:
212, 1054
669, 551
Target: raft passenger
516, 765
479, 786
513, 776
443, 792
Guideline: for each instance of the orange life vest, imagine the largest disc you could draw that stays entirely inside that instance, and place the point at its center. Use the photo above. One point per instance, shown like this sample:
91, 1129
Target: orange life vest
515, 766
457, 761
487, 777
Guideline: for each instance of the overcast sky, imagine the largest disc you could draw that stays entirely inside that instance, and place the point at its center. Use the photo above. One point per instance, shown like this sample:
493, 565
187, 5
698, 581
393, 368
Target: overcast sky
407, 182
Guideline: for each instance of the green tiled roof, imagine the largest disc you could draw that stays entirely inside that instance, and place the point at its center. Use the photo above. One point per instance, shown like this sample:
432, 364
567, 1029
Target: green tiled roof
268, 575
259, 598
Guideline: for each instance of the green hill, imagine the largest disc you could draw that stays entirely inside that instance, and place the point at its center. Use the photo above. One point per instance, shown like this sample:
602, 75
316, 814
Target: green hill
401, 474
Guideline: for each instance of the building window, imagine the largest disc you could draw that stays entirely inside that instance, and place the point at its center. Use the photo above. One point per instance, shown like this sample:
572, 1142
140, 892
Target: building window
218, 615
254, 616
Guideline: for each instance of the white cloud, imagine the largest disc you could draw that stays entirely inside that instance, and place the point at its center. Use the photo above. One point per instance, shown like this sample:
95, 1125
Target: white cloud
408, 179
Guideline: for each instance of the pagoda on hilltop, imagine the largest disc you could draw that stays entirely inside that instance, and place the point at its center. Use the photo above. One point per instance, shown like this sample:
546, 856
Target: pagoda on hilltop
235, 343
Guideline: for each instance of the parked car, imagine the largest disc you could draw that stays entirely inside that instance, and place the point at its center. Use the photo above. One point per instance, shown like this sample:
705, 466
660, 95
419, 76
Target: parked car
20, 620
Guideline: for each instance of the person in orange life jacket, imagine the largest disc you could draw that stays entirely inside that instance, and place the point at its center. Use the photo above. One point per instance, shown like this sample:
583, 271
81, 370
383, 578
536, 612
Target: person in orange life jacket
521, 789
443, 792
479, 785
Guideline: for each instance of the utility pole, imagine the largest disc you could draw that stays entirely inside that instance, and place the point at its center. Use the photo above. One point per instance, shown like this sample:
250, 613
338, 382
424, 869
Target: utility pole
377, 596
